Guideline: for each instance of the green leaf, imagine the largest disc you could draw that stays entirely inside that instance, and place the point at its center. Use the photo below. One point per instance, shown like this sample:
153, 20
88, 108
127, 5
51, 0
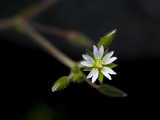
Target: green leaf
111, 65
111, 91
88, 69
100, 77
107, 39
105, 53
61, 83
78, 77
90, 53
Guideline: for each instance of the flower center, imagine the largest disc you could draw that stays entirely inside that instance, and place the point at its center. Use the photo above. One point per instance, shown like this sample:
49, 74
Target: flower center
98, 63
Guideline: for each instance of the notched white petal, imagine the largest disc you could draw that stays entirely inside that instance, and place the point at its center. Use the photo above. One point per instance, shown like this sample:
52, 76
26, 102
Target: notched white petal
90, 74
88, 58
105, 73
109, 70
107, 56
95, 52
110, 60
95, 75
101, 51
85, 63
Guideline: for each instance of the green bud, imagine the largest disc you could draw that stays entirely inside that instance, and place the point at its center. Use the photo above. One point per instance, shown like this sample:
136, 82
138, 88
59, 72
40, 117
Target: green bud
107, 39
60, 84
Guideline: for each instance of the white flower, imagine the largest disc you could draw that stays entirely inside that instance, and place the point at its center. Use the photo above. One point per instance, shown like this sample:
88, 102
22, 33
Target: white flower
98, 63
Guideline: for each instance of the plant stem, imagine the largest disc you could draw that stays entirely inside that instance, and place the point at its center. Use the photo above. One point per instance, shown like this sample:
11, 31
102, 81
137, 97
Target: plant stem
46, 45
41, 7
90, 83
7, 23
51, 30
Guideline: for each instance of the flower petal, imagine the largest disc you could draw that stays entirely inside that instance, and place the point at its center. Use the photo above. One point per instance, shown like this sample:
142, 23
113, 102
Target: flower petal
95, 75
105, 73
109, 70
101, 51
95, 52
87, 58
110, 60
106, 57
90, 74
85, 63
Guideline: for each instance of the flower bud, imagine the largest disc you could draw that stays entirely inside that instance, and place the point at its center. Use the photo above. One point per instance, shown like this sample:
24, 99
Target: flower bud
107, 39
60, 84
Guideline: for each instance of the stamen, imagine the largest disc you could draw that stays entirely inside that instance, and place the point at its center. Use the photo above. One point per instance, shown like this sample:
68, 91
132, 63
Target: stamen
98, 63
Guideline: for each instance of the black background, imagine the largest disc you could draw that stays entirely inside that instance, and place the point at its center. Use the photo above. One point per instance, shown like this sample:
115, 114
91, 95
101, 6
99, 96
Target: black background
27, 72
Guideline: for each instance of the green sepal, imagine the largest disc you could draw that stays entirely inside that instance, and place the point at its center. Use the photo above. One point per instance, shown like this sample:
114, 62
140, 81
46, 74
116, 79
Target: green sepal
88, 69
77, 74
61, 83
75, 70
78, 78
90, 53
111, 91
107, 39
100, 77
111, 65
105, 53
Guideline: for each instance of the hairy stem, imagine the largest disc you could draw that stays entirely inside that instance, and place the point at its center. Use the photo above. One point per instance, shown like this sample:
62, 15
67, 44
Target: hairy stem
47, 46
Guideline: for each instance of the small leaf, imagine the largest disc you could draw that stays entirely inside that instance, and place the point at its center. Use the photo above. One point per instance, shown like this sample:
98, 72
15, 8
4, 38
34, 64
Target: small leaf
105, 53
100, 77
111, 91
88, 69
90, 53
60, 84
111, 65
107, 39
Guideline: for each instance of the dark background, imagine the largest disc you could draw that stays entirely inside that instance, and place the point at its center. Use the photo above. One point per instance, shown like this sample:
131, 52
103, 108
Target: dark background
27, 72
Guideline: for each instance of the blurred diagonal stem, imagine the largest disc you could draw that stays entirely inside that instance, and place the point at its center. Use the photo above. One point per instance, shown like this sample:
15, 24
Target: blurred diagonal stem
7, 23
45, 44
41, 7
